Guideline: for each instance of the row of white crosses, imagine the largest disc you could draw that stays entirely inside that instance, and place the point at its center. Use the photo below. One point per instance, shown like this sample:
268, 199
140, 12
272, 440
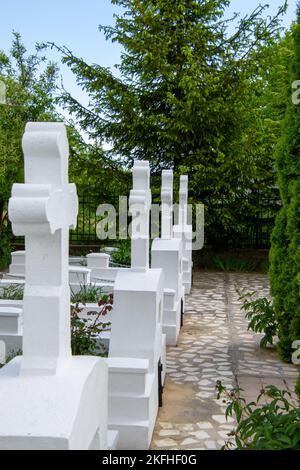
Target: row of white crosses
98, 268
172, 252
146, 300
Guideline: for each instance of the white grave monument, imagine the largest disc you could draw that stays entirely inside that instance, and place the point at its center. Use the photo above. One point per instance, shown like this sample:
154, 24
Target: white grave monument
98, 263
184, 231
136, 335
167, 254
49, 399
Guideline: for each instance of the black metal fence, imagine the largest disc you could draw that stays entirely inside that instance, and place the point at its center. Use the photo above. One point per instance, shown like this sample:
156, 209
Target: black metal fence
251, 230
85, 232
247, 228
248, 231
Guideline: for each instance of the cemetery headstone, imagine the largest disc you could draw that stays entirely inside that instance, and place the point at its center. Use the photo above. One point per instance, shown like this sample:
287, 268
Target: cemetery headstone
183, 231
136, 336
167, 255
49, 399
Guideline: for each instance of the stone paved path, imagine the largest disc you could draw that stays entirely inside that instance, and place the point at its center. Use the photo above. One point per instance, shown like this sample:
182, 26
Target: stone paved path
214, 344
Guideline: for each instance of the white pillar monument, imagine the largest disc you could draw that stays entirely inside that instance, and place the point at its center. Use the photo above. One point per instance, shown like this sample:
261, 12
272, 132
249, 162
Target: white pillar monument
167, 255
184, 231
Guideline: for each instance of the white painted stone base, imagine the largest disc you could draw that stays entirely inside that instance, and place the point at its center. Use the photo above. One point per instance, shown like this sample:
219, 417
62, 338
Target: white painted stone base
60, 412
171, 317
184, 233
167, 255
187, 268
133, 402
164, 357
134, 352
11, 303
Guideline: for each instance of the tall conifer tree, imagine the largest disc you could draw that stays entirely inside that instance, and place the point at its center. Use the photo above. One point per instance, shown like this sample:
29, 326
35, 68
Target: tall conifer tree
285, 251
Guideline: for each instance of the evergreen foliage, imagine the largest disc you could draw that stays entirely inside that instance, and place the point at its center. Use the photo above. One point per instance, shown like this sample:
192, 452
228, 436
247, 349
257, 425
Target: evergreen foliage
285, 251
189, 95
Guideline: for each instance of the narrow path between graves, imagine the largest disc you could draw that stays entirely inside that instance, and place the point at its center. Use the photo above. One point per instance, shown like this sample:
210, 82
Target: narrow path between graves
214, 344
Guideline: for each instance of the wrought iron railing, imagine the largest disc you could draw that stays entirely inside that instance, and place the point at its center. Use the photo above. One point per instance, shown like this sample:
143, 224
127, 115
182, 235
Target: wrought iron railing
254, 232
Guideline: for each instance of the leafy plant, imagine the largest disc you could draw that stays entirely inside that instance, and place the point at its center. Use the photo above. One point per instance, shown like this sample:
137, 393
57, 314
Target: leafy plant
123, 255
87, 293
233, 264
261, 426
85, 331
13, 292
261, 315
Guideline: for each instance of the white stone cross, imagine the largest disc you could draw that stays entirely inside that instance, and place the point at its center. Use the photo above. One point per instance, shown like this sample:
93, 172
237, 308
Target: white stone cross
183, 200
43, 209
139, 209
166, 204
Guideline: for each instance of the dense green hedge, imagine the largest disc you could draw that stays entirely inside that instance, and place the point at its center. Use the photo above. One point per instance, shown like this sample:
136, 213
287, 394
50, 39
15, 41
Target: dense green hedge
285, 251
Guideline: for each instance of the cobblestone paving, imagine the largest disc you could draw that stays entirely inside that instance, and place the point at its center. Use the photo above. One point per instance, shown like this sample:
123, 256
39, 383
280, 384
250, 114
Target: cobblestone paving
214, 344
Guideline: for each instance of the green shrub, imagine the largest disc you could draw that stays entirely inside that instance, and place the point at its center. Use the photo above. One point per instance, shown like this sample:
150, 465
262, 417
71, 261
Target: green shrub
87, 293
123, 255
261, 315
261, 426
285, 242
85, 332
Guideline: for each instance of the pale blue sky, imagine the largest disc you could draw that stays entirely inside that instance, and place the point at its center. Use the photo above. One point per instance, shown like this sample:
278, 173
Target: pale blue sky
74, 23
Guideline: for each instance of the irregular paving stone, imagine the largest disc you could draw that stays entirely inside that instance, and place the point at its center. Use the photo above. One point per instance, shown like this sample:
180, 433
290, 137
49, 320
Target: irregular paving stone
168, 432
205, 425
166, 425
188, 442
165, 443
203, 394
200, 434
214, 344
204, 382
222, 419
